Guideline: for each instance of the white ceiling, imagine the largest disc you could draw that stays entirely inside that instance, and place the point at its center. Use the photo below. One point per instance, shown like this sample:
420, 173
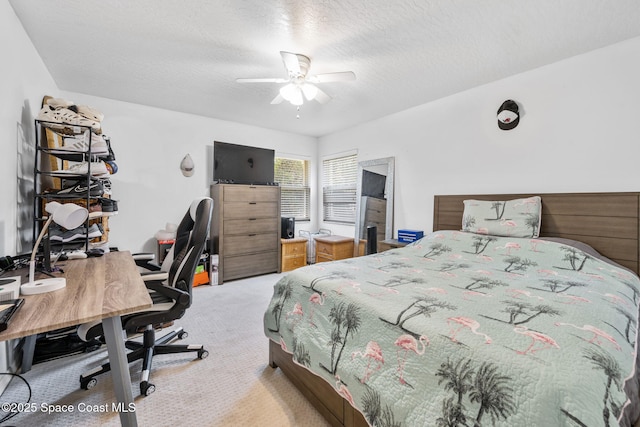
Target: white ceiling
186, 55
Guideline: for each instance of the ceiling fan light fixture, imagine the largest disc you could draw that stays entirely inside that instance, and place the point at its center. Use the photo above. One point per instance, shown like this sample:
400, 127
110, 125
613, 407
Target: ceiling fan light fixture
297, 97
292, 93
310, 91
287, 91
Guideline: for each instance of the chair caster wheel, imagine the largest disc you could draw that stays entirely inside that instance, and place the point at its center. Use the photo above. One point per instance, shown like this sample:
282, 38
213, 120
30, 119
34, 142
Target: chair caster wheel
88, 384
202, 354
147, 388
182, 335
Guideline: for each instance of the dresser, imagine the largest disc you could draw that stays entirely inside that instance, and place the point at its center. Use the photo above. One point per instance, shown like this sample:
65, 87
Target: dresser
294, 253
373, 211
333, 248
245, 230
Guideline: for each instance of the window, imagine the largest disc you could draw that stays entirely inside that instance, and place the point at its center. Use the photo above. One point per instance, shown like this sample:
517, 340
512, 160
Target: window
295, 195
339, 177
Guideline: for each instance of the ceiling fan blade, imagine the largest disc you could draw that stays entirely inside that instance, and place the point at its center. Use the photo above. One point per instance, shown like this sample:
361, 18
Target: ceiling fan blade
342, 76
291, 62
263, 80
322, 97
277, 100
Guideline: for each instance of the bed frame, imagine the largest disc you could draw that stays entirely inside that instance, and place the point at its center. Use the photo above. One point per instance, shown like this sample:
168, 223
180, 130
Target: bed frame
609, 222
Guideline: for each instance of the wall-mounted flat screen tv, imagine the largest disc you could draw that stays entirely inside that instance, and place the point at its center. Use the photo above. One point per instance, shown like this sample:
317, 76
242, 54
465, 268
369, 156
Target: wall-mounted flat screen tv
242, 164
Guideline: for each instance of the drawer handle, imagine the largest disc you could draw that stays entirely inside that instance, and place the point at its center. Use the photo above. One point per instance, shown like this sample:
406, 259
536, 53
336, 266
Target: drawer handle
253, 234
252, 219
252, 203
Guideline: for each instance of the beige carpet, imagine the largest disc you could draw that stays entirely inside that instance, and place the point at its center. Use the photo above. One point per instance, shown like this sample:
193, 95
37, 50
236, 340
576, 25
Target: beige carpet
234, 386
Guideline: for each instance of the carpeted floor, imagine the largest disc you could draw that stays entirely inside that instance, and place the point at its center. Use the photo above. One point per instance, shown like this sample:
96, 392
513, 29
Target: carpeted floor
234, 386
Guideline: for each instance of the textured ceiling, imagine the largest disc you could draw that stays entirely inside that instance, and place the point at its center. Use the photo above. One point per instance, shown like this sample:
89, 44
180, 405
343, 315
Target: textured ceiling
186, 55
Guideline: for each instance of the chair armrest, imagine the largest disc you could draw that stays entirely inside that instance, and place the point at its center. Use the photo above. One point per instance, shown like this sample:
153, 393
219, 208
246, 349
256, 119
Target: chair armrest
143, 256
158, 276
181, 297
145, 260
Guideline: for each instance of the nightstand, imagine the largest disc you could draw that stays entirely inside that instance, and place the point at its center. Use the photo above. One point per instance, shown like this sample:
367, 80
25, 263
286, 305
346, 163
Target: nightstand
294, 253
333, 248
385, 245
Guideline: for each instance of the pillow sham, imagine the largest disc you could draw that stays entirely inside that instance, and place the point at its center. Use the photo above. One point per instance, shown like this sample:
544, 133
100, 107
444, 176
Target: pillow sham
511, 218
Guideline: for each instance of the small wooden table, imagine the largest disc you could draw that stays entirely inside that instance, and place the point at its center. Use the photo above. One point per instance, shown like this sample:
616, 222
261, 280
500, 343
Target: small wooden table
101, 288
294, 253
387, 244
333, 248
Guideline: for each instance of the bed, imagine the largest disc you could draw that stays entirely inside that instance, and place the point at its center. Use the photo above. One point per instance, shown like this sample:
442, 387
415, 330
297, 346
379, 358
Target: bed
474, 328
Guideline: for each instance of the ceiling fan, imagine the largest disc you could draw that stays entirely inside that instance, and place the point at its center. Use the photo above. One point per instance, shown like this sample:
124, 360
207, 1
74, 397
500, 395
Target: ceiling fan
300, 83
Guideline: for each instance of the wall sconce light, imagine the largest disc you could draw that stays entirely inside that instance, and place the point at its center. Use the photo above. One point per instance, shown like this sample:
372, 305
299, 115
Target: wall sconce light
187, 166
508, 115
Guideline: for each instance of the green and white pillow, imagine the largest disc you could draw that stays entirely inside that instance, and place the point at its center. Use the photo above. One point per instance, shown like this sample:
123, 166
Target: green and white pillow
511, 218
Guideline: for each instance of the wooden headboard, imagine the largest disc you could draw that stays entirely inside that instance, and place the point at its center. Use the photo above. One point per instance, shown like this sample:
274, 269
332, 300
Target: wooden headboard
609, 222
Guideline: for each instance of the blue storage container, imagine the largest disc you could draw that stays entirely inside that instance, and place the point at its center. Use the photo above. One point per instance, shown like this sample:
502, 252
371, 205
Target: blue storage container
409, 236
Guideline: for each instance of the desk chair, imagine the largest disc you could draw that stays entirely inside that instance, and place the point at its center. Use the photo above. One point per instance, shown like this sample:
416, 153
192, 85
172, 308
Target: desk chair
171, 298
152, 270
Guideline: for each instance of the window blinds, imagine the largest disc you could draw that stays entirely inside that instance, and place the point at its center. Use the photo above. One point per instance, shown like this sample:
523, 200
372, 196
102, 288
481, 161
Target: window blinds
339, 177
295, 195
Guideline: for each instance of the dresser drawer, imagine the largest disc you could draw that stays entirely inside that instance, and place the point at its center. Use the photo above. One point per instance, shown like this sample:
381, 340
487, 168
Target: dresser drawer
237, 210
291, 263
294, 248
376, 204
250, 243
324, 249
250, 265
323, 258
246, 193
250, 226
375, 216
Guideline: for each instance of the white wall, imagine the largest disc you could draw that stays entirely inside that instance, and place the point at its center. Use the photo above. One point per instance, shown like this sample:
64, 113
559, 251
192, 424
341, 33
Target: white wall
579, 132
149, 144
23, 81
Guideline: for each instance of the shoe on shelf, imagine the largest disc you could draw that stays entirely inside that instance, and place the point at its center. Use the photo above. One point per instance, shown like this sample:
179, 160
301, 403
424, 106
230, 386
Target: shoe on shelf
57, 102
57, 235
64, 116
109, 205
98, 169
89, 113
80, 144
95, 207
79, 189
106, 183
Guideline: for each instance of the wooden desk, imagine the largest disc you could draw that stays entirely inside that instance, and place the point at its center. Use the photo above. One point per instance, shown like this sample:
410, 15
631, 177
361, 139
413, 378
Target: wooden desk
101, 288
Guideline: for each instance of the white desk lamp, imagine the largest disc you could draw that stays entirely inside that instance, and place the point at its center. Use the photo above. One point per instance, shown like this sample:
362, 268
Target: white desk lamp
69, 216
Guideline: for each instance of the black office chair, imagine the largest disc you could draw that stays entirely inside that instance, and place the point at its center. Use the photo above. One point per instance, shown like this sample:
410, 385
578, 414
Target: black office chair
171, 298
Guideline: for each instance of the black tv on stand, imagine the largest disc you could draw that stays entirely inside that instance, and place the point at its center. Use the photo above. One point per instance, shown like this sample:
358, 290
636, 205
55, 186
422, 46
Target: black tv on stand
242, 164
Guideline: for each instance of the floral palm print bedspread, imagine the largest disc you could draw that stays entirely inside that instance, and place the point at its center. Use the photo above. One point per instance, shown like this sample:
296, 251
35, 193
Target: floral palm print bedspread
463, 329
